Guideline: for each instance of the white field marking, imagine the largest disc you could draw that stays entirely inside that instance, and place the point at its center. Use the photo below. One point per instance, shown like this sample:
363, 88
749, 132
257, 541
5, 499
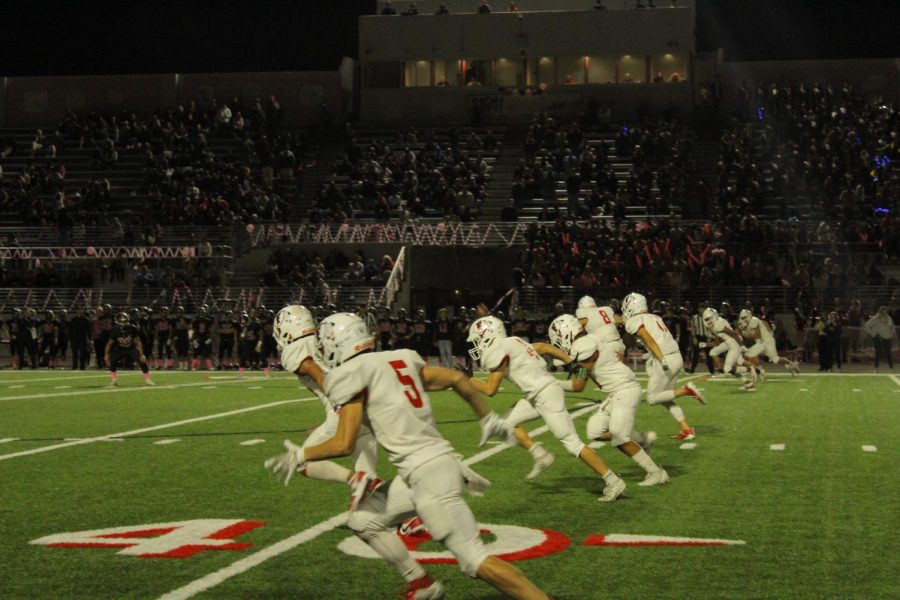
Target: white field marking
79, 441
110, 390
895, 379
252, 442
245, 564
63, 387
803, 390
687, 446
63, 375
778, 447
113, 439
870, 449
7, 440
255, 387
166, 442
209, 387
15, 387
857, 390
72, 439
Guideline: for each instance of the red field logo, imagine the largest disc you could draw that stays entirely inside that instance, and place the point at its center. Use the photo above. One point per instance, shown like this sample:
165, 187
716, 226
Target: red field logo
512, 543
180, 539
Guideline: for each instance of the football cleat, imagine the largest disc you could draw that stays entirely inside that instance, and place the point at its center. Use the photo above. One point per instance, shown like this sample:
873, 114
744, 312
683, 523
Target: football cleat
115, 383
148, 382
412, 526
761, 373
540, 465
361, 484
424, 588
692, 391
659, 477
686, 434
794, 368
747, 384
612, 490
649, 440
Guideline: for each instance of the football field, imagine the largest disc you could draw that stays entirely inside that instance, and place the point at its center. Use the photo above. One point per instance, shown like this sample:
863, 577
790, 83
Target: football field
789, 491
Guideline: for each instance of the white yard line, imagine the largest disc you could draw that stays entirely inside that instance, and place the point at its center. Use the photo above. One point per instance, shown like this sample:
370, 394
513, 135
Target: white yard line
776, 447
868, 448
257, 558
895, 379
253, 442
115, 390
112, 436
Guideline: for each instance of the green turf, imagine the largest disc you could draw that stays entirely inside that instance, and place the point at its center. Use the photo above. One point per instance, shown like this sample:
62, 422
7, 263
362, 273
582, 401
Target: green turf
819, 518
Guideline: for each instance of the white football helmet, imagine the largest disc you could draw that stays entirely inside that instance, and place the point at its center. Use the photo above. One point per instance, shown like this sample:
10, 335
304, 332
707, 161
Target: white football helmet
586, 302
744, 317
482, 334
341, 337
563, 331
710, 315
633, 304
292, 323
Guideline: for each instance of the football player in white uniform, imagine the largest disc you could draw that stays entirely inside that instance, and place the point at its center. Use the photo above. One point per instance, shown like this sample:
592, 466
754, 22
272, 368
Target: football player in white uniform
730, 346
663, 365
389, 391
515, 359
614, 419
758, 330
600, 322
295, 334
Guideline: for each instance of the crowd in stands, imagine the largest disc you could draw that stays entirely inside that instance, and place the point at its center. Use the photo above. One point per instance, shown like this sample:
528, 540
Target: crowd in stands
741, 251
417, 175
290, 267
185, 180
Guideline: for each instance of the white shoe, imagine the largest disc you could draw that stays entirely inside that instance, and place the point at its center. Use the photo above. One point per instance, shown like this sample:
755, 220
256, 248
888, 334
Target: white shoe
540, 465
613, 490
656, 478
747, 384
115, 383
148, 382
433, 592
649, 440
762, 374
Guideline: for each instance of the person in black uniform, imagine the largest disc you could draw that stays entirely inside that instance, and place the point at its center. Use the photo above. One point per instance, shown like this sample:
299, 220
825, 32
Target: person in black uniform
48, 330
269, 345
443, 337
12, 328
201, 343
181, 338
162, 331
103, 326
460, 334
402, 330
125, 343
421, 335
62, 344
227, 328
383, 326
79, 329
250, 344
27, 328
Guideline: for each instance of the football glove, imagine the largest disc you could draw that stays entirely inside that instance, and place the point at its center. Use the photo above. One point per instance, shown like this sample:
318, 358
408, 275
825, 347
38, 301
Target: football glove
285, 465
494, 426
464, 369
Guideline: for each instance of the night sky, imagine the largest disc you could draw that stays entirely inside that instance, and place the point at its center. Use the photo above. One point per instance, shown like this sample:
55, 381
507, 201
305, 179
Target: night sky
56, 37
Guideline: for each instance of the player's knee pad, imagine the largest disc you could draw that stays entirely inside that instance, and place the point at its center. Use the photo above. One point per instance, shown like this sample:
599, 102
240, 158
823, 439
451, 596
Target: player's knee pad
521, 412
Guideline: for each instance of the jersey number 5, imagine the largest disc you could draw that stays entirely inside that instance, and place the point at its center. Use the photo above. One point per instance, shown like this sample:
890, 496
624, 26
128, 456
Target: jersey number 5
412, 392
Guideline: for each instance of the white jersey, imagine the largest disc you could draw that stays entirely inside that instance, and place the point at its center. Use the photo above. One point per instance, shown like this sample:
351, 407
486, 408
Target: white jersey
609, 372
719, 328
654, 325
601, 323
757, 329
396, 405
294, 355
526, 369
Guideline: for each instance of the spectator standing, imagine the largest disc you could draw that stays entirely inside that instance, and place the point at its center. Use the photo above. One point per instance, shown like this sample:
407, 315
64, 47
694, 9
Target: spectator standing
388, 10
443, 337
881, 328
80, 338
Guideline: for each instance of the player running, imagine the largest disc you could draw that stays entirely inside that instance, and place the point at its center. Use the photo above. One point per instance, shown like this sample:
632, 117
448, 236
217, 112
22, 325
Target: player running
124, 341
295, 333
730, 346
515, 359
600, 322
664, 364
757, 329
389, 391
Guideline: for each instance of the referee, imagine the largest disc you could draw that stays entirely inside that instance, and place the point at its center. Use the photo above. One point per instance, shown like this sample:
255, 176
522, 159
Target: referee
699, 335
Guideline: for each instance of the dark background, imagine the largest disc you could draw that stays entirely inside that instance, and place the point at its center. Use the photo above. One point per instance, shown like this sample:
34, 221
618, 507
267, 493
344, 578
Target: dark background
66, 37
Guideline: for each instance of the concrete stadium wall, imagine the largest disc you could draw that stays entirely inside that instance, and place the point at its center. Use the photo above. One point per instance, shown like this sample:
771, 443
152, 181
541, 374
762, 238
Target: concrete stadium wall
462, 268
471, 6
526, 34
42, 101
